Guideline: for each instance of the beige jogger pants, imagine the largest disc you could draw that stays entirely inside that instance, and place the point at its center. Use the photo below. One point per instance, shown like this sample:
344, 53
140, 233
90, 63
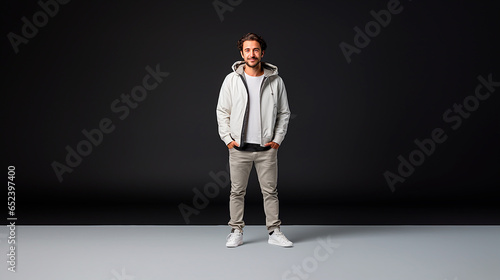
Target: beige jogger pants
266, 165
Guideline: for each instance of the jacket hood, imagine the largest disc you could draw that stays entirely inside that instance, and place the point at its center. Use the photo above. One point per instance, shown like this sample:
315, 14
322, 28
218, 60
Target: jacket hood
269, 69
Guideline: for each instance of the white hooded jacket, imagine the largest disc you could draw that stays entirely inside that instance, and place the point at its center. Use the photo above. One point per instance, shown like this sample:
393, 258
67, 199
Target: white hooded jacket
232, 106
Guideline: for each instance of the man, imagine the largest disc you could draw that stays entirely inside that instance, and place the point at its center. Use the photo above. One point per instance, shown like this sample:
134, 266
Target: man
252, 115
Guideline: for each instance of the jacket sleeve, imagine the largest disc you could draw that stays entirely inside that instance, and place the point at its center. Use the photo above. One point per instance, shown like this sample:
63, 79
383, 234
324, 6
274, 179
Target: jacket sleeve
282, 114
223, 112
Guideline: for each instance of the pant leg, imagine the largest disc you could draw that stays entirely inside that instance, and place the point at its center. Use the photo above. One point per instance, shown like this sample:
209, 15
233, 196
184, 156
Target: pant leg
240, 165
266, 164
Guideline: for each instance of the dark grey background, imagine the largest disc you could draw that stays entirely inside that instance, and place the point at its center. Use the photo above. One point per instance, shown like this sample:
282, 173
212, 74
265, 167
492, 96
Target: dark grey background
350, 121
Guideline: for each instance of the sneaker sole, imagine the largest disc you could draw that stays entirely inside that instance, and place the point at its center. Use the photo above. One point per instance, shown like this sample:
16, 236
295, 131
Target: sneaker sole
278, 244
234, 246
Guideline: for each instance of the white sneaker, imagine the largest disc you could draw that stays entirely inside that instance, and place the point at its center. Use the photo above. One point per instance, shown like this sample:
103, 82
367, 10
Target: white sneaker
234, 239
279, 239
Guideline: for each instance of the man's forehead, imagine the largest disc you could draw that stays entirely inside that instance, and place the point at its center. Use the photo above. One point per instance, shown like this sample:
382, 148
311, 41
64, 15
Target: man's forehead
251, 44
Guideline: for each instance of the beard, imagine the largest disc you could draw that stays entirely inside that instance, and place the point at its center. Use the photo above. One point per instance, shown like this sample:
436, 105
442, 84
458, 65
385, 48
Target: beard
257, 61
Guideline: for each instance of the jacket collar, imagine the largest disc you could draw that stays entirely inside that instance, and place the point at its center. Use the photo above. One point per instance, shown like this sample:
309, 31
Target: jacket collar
269, 69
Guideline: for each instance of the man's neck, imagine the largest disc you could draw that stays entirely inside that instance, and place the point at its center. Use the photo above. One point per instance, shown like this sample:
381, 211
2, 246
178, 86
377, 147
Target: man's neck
254, 71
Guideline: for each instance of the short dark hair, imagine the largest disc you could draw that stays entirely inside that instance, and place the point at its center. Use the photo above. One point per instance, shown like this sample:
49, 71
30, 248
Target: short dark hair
252, 37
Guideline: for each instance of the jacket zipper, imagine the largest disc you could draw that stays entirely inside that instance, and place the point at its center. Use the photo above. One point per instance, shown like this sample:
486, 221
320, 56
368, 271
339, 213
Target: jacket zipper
246, 110
262, 91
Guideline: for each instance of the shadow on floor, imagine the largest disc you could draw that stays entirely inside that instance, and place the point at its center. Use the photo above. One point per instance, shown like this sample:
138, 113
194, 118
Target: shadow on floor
310, 233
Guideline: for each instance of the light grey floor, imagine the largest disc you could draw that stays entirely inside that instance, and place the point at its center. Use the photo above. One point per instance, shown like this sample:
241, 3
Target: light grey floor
199, 252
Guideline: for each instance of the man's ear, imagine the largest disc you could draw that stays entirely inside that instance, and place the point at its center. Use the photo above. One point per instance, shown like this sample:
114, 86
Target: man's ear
263, 52
241, 53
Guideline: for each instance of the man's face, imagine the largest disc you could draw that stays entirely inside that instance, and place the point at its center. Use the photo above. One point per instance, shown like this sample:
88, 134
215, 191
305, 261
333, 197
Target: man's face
251, 53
